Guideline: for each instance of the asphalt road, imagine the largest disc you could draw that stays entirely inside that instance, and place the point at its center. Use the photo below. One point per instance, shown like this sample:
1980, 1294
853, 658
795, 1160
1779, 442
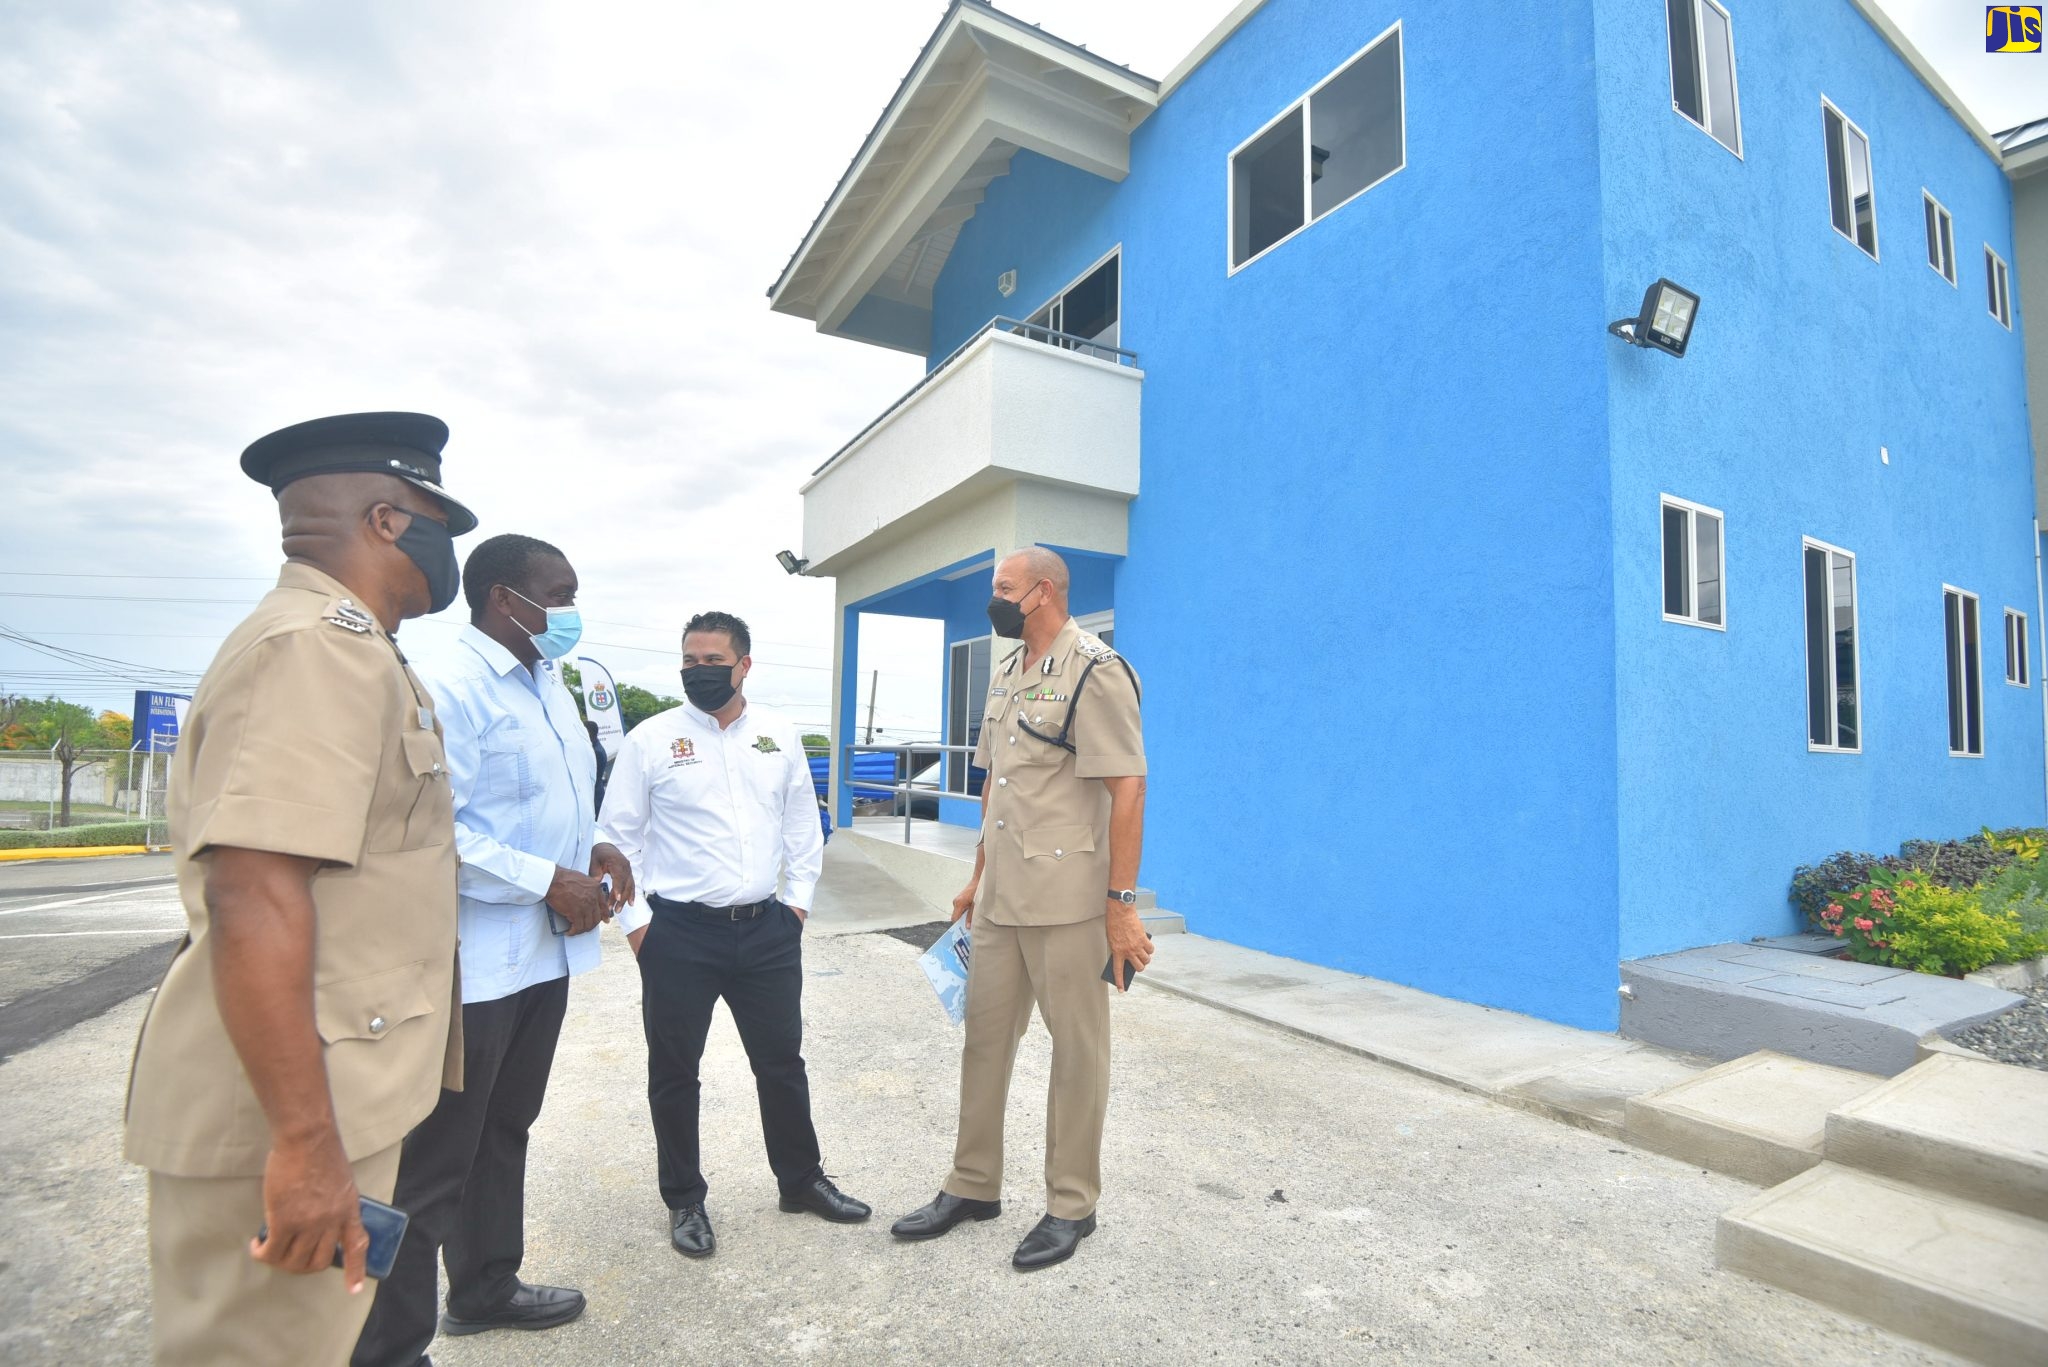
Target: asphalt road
1267, 1200
78, 936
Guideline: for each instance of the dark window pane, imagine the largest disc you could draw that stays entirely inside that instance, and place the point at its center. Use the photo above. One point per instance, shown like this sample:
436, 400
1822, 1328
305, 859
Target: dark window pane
1819, 716
1707, 559
1952, 613
1266, 189
1719, 46
1685, 75
1355, 126
1838, 172
1861, 202
1091, 305
1948, 249
1848, 733
1677, 574
1973, 680
1933, 234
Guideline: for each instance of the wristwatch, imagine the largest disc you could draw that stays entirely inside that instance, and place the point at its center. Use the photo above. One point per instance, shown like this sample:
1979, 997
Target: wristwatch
1129, 896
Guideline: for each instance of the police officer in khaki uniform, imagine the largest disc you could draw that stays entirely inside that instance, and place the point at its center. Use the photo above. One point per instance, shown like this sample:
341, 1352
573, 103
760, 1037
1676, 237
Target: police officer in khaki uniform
1052, 903
312, 1015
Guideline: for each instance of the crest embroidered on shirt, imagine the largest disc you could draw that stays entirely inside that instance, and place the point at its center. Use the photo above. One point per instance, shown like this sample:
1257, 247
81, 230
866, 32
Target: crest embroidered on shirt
766, 745
683, 748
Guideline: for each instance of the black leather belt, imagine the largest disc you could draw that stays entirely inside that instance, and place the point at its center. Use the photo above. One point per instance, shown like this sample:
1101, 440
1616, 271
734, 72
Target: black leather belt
745, 912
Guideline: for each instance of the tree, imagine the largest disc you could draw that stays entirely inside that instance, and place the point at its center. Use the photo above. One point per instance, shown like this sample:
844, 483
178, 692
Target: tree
69, 732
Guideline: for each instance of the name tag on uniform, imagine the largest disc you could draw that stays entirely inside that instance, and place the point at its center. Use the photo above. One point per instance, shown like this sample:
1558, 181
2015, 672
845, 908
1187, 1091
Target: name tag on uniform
426, 719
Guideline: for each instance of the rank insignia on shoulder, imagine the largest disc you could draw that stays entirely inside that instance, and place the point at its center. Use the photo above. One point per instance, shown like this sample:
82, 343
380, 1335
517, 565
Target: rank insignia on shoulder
360, 628
1094, 649
346, 608
766, 745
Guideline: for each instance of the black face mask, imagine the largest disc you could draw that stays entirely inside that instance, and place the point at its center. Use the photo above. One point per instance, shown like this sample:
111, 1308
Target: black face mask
1008, 617
709, 687
429, 545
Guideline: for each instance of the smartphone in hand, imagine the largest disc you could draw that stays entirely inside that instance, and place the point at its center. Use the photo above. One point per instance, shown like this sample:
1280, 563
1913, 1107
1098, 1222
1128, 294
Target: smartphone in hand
1130, 969
386, 1227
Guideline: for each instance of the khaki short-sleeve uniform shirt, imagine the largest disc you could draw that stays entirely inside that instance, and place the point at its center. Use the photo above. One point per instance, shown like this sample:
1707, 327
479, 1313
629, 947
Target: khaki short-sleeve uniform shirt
1046, 738
310, 736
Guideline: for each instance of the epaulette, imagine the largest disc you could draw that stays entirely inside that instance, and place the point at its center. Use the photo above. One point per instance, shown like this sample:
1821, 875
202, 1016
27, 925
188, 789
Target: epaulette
344, 613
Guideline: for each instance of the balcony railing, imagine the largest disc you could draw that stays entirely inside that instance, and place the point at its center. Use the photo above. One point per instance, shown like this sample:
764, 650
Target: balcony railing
1036, 332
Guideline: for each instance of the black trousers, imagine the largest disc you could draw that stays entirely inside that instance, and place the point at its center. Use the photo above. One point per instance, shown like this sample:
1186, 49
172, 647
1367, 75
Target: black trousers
462, 1178
688, 960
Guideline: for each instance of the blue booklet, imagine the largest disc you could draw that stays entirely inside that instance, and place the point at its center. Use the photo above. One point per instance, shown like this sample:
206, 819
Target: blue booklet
945, 965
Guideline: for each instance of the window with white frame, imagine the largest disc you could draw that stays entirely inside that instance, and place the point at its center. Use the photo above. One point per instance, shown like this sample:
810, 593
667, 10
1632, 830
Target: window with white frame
1834, 697
1941, 238
1692, 563
1703, 69
1341, 139
1090, 308
1965, 673
2016, 670
1997, 288
967, 682
1851, 202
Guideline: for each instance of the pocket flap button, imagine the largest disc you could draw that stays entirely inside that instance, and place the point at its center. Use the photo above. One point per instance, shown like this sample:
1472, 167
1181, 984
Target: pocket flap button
376, 1025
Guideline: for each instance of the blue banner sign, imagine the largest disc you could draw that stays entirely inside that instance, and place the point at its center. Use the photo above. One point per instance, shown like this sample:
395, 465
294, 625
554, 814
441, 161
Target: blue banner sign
157, 719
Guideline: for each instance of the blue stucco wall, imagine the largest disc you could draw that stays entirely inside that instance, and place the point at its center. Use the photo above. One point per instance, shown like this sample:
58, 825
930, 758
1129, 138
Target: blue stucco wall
1808, 357
1370, 573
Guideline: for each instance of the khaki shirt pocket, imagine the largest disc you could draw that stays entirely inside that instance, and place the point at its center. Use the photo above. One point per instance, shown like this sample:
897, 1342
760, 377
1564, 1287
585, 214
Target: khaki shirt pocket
429, 801
372, 1006
1056, 842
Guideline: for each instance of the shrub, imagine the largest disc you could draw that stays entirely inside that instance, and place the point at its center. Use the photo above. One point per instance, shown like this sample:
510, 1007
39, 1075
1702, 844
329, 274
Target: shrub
1910, 921
2024, 843
2022, 892
78, 837
1814, 886
1957, 863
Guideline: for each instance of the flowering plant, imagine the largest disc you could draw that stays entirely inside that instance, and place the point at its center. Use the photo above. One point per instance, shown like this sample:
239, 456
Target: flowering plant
1909, 921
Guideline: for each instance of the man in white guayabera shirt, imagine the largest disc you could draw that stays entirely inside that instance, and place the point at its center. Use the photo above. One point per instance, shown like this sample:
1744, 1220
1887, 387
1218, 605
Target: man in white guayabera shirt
712, 803
531, 898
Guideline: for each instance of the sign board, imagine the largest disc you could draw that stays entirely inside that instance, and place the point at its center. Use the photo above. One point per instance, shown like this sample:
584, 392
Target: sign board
159, 717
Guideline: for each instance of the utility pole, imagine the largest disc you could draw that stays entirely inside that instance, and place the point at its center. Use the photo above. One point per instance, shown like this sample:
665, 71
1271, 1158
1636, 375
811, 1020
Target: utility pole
874, 686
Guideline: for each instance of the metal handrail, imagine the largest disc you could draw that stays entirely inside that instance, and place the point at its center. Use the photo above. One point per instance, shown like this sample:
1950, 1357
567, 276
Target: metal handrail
906, 789
1066, 341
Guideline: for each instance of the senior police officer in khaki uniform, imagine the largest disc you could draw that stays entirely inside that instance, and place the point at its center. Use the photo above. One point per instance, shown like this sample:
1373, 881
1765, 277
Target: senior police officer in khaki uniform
1052, 904
312, 1015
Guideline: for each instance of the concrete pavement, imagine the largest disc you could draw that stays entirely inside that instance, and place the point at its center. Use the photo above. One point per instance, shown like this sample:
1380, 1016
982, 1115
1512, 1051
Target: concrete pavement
1268, 1199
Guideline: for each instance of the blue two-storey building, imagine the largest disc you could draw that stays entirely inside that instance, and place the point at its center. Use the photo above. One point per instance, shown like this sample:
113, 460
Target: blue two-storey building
1482, 649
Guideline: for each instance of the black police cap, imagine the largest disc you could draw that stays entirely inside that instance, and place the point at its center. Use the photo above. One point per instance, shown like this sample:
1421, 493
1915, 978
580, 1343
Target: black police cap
405, 445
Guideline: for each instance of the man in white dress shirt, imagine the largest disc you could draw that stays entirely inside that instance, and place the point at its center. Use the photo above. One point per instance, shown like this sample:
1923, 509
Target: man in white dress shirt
712, 803
531, 899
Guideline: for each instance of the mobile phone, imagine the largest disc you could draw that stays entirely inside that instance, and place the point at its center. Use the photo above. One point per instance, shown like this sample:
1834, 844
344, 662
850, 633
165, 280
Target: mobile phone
386, 1227
1131, 973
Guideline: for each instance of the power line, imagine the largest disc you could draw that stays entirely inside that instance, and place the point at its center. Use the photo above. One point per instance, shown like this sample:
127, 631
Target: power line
70, 574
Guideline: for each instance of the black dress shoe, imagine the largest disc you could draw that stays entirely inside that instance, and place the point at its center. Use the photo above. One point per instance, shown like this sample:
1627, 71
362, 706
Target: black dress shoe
943, 1212
530, 1307
822, 1199
689, 1229
1053, 1240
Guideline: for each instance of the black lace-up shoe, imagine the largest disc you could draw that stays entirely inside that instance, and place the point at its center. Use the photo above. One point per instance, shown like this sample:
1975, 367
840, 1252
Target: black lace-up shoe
940, 1214
1052, 1241
689, 1229
820, 1198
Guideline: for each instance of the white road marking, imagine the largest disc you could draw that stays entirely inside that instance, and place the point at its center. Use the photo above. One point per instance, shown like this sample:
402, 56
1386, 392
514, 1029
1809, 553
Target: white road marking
75, 934
81, 901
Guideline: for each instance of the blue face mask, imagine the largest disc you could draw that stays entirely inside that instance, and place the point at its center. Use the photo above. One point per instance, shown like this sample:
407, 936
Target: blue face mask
565, 628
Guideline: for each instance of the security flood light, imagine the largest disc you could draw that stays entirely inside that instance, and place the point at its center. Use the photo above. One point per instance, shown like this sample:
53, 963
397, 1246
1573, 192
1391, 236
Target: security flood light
790, 563
1665, 322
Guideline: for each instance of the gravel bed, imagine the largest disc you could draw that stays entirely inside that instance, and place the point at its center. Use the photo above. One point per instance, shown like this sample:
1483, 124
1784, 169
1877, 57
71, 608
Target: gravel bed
2019, 1036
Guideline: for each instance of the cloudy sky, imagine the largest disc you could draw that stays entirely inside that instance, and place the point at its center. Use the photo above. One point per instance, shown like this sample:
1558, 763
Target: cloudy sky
550, 222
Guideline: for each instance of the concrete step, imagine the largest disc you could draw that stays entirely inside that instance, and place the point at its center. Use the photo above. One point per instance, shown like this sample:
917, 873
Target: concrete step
1960, 1276
1971, 1128
1760, 1118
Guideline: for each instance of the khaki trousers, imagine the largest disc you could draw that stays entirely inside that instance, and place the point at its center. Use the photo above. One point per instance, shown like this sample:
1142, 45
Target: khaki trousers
1060, 969
215, 1306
